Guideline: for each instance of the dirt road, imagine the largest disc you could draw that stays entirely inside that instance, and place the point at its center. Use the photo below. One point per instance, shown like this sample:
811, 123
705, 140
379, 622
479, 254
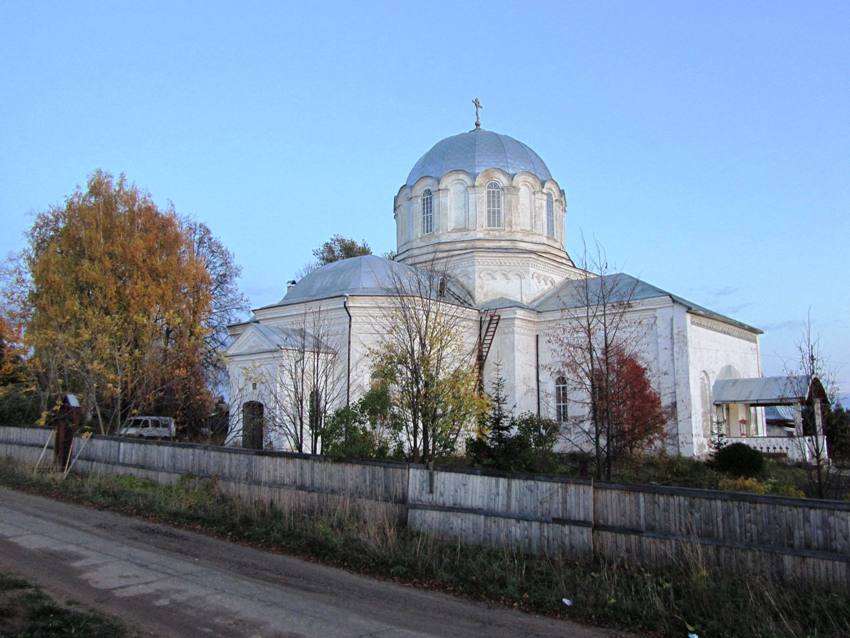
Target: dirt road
164, 581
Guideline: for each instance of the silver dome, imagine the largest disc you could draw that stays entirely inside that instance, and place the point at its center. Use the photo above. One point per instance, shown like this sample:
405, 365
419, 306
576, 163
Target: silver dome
476, 151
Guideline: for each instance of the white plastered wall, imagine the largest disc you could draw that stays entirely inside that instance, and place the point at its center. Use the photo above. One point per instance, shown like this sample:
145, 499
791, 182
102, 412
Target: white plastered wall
717, 350
246, 366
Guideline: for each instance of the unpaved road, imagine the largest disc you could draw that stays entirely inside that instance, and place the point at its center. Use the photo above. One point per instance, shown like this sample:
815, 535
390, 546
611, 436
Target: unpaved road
164, 581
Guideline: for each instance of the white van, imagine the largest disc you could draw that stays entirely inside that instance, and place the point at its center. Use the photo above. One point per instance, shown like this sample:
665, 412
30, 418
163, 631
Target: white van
148, 427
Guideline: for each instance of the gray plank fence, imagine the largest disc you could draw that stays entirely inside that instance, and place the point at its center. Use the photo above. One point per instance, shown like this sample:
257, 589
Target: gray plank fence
796, 539
289, 481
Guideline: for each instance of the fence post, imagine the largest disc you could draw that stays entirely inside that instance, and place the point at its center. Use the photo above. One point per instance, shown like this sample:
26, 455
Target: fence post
407, 498
592, 519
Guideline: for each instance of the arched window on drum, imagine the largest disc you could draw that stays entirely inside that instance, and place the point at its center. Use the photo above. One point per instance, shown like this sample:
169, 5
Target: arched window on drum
427, 212
494, 205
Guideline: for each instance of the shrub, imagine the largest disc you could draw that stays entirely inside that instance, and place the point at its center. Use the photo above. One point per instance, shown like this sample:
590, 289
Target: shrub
739, 459
535, 440
347, 435
18, 404
770, 486
510, 443
743, 485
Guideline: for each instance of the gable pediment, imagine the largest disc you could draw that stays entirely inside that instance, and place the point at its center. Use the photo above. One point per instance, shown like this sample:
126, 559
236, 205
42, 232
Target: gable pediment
251, 341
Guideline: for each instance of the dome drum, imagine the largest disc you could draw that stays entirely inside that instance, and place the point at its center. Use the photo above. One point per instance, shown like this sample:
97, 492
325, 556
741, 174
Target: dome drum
478, 197
494, 205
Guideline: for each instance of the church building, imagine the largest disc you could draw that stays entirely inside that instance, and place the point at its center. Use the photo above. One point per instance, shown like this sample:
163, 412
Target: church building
484, 208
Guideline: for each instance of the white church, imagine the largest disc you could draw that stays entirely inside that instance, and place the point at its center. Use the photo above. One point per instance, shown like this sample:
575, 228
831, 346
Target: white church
485, 209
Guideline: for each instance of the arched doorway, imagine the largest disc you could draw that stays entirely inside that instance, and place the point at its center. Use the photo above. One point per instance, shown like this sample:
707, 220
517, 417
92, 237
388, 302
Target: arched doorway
252, 425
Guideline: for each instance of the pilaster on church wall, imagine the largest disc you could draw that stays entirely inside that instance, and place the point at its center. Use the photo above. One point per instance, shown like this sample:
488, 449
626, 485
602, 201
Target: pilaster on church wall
538, 213
442, 222
667, 365
526, 328
682, 367
510, 206
477, 203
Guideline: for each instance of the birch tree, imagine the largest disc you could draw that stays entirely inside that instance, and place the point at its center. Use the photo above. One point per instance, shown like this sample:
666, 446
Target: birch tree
811, 367
428, 364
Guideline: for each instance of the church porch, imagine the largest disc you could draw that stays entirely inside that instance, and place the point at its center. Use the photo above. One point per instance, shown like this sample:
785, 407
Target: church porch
740, 406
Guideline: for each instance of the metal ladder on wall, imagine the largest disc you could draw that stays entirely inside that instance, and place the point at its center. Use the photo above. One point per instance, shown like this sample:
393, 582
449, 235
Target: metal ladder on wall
488, 322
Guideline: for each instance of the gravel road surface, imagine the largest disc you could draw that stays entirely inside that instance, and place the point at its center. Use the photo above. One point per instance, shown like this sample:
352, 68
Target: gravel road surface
164, 581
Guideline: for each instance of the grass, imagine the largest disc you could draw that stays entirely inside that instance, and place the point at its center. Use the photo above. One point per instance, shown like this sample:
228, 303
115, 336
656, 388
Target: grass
778, 478
651, 602
27, 612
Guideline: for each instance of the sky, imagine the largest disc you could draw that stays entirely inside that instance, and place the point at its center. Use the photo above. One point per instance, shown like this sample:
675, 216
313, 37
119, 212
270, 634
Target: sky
705, 145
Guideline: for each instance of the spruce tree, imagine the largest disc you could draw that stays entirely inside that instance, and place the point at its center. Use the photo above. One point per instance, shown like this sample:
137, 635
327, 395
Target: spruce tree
500, 421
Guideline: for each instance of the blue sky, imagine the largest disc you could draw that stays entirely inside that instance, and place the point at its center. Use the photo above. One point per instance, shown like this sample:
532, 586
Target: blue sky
705, 145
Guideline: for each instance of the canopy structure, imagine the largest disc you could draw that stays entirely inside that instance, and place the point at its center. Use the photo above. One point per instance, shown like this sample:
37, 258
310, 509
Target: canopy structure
765, 391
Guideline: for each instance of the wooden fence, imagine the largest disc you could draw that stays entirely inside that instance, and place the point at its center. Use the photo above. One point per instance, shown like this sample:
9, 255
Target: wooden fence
289, 481
772, 537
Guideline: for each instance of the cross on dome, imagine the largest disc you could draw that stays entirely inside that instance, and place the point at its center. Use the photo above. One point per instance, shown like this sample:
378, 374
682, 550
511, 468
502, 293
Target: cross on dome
478, 106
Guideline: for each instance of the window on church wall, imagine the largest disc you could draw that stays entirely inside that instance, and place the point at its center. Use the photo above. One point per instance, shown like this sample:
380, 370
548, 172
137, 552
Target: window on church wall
494, 205
550, 215
377, 380
427, 212
561, 413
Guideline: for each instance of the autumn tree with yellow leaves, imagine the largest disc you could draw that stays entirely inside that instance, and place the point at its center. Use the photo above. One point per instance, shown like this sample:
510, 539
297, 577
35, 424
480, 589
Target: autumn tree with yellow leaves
123, 304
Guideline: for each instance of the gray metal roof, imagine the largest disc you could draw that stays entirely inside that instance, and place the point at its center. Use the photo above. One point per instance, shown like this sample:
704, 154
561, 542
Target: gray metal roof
619, 288
762, 391
368, 275
476, 151
779, 413
503, 302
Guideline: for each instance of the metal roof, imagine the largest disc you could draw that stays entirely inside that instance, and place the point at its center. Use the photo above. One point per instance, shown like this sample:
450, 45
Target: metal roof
762, 391
619, 288
779, 413
476, 151
368, 275
503, 302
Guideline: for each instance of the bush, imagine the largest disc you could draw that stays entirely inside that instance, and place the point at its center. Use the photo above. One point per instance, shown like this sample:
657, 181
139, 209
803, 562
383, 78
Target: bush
770, 486
19, 404
743, 485
524, 446
535, 439
347, 435
739, 459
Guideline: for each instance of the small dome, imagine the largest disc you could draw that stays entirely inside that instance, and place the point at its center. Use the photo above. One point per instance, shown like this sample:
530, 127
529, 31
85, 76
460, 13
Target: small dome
476, 151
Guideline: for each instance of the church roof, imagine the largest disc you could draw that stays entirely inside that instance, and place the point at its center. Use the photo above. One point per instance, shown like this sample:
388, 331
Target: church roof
620, 288
367, 275
766, 390
476, 151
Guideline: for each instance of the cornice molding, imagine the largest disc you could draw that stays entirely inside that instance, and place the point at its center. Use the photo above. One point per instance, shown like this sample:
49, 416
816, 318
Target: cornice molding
723, 328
